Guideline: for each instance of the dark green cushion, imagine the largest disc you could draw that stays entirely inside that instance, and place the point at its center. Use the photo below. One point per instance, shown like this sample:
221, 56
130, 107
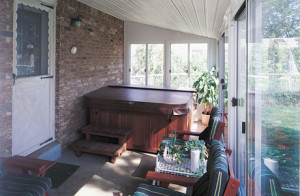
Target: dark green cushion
23, 184
216, 145
214, 128
201, 186
217, 169
2, 170
145, 189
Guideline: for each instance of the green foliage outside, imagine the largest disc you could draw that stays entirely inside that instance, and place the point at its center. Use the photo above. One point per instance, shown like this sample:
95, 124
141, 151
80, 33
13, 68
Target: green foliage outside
274, 80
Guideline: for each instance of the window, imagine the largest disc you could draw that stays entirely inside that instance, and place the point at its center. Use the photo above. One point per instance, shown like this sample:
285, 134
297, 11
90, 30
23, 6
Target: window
147, 64
188, 61
32, 41
274, 90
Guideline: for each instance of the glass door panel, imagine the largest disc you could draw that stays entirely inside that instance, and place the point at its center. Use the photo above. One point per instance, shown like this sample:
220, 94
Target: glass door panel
156, 64
274, 93
198, 61
138, 64
179, 65
32, 39
241, 95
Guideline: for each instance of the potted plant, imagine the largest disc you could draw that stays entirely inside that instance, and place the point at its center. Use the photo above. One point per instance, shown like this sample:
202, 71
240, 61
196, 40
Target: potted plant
198, 153
171, 152
207, 91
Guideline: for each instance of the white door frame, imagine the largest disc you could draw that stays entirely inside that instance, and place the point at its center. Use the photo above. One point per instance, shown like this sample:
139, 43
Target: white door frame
50, 7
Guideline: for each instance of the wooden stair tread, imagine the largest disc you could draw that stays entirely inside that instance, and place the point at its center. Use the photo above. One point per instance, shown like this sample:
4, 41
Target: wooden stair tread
106, 131
98, 147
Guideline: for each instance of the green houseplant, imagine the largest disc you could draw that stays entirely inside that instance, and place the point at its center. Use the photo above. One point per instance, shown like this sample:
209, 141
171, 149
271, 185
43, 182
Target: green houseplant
171, 152
207, 89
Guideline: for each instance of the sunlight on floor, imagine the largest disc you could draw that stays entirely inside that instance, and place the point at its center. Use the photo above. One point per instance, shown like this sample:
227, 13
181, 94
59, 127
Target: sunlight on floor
95, 186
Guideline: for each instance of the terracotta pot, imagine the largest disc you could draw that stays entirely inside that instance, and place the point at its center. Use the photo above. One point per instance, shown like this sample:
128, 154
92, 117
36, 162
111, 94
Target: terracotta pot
205, 119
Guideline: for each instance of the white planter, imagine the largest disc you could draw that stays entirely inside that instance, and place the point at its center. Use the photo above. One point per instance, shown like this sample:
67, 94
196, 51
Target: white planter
272, 164
195, 155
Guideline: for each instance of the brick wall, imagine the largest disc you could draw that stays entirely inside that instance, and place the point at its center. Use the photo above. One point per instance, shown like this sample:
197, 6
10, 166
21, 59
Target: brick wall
97, 63
6, 48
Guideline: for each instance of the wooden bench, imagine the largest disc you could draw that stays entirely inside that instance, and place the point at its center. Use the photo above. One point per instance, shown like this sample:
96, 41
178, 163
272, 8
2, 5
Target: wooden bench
27, 165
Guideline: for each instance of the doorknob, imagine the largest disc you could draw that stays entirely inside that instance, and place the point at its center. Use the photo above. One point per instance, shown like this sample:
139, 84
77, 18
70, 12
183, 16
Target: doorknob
46, 77
14, 78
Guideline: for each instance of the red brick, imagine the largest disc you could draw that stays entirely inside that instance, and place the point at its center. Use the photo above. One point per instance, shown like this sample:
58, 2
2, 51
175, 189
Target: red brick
90, 68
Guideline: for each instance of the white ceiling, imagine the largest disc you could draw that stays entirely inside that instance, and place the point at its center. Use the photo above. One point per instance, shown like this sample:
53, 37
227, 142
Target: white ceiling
199, 17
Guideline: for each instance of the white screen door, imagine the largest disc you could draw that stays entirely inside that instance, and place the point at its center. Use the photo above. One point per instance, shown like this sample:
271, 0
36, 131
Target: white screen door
32, 101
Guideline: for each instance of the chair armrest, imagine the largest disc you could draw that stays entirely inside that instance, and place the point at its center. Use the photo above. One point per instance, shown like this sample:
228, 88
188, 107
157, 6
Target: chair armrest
170, 178
233, 183
219, 131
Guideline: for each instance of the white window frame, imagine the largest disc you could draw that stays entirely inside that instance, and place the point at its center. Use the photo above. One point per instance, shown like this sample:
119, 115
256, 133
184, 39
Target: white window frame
167, 57
127, 57
188, 61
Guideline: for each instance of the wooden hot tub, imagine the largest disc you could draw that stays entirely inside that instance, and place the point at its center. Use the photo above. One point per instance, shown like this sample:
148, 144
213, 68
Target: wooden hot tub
148, 112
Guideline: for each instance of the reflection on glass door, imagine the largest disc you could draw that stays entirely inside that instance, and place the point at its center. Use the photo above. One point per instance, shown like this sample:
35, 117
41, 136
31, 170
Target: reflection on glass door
274, 97
241, 95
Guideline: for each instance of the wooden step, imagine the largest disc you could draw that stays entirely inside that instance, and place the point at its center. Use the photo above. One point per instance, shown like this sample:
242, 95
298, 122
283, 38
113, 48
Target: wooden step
106, 131
108, 149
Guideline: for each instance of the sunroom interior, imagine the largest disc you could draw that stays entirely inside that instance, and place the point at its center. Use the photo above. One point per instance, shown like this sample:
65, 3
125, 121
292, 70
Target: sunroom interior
57, 56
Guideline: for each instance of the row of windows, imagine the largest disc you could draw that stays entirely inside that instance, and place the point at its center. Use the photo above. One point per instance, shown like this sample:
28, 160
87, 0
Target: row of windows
187, 62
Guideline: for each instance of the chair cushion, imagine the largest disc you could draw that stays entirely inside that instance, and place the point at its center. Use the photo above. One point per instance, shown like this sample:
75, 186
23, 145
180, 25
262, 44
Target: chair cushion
2, 170
214, 128
216, 146
217, 169
23, 184
201, 186
145, 189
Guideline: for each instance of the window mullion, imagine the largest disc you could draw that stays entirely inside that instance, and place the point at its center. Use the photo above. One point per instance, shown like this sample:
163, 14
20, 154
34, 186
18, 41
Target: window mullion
146, 69
188, 64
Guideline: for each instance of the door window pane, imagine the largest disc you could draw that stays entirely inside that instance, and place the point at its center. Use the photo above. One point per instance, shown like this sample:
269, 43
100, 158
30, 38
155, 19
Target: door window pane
225, 90
155, 64
198, 61
274, 93
138, 64
241, 94
179, 65
32, 41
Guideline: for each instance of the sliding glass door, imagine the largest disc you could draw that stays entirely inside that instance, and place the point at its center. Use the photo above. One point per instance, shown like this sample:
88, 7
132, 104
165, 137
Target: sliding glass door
241, 95
274, 96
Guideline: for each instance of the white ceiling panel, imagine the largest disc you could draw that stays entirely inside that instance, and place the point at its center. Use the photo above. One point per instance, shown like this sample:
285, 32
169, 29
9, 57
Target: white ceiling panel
198, 17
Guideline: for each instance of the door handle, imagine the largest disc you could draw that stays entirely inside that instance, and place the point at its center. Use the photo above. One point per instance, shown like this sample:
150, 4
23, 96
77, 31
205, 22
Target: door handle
14, 78
46, 77
243, 127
